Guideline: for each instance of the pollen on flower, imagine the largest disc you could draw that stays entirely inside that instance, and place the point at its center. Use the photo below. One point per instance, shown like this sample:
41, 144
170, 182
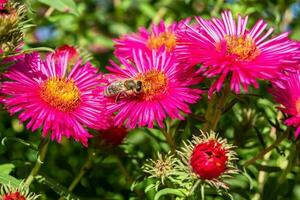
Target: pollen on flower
243, 47
167, 38
153, 83
298, 106
61, 94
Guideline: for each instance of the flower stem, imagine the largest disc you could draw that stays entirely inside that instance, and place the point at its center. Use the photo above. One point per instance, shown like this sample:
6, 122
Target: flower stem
202, 192
291, 160
85, 167
267, 150
128, 177
41, 157
170, 140
215, 109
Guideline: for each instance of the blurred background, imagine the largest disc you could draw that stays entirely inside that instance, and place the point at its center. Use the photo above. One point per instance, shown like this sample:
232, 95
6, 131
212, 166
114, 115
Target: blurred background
110, 171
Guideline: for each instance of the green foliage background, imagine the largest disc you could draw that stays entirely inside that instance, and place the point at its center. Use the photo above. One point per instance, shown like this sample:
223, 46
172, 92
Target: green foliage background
91, 25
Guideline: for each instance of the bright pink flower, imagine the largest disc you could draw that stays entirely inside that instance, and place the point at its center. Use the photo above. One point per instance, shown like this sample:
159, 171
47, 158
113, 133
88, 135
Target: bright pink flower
226, 48
160, 36
165, 89
63, 102
287, 92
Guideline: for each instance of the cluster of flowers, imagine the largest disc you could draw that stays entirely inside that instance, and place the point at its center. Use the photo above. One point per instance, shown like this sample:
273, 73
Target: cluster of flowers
157, 76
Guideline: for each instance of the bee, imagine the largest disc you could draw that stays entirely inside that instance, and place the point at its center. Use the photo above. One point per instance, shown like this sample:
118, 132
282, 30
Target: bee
123, 88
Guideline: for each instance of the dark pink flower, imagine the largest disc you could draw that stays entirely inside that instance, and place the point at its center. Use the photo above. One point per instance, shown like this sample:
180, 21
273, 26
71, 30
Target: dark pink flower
228, 49
160, 36
165, 89
49, 96
287, 92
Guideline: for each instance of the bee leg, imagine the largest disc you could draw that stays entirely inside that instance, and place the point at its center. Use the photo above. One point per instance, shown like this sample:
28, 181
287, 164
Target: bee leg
118, 97
121, 95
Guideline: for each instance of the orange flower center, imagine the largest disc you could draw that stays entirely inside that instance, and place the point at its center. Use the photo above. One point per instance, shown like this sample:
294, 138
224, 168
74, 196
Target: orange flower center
61, 94
298, 106
243, 47
153, 83
168, 39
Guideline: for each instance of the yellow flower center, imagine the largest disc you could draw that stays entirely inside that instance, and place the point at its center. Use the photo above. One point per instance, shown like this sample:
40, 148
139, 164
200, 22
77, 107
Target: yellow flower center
243, 47
153, 83
298, 106
61, 94
168, 39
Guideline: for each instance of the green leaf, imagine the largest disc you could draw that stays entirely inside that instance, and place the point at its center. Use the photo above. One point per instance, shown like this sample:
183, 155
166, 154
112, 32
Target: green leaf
6, 168
56, 187
9, 180
167, 191
62, 5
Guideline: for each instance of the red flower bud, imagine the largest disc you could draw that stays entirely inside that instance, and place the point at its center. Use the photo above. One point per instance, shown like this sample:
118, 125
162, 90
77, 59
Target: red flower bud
73, 53
113, 136
13, 196
209, 159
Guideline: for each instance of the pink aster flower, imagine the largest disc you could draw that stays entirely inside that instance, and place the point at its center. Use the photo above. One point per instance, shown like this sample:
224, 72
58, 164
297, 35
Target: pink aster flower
160, 36
49, 96
226, 48
164, 89
287, 92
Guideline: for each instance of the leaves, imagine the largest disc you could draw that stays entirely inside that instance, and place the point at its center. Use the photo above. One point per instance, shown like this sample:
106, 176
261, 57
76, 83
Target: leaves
5, 178
6, 168
169, 191
56, 187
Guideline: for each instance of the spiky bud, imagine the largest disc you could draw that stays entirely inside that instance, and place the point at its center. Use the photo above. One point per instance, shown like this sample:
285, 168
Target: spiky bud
21, 192
12, 21
208, 158
161, 168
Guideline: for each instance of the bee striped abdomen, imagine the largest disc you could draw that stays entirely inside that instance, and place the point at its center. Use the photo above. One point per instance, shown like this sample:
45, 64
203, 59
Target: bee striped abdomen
114, 89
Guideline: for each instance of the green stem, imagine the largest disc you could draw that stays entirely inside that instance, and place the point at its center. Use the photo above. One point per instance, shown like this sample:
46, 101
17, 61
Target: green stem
267, 150
282, 178
85, 167
128, 177
41, 157
215, 109
170, 140
291, 160
202, 192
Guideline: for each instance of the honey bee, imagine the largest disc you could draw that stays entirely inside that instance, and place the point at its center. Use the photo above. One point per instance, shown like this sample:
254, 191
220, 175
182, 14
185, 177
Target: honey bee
123, 88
